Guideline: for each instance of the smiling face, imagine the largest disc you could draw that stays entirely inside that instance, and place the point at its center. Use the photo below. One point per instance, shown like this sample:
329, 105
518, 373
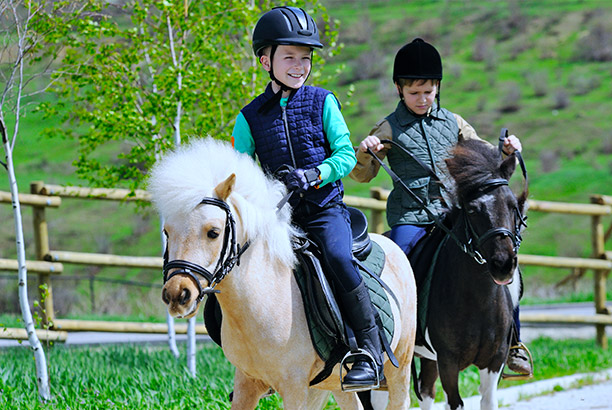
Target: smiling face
291, 65
419, 96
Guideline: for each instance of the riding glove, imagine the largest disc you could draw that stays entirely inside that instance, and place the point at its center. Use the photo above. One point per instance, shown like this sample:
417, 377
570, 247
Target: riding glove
300, 180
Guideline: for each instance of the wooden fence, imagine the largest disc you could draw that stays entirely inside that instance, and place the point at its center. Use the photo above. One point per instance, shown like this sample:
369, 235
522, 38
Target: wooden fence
600, 261
50, 262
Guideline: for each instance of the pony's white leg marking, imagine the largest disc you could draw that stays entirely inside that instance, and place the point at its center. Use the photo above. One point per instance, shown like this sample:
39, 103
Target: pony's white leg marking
515, 287
379, 399
426, 403
422, 351
488, 389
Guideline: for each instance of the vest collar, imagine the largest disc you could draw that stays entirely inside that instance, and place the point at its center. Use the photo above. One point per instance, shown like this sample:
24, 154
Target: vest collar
406, 117
269, 92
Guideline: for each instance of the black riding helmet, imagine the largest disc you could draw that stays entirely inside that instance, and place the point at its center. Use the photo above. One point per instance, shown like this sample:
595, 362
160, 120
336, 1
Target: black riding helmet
290, 26
419, 60
286, 26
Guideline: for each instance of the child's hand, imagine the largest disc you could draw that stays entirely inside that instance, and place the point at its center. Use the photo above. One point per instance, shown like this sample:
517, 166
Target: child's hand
512, 144
372, 142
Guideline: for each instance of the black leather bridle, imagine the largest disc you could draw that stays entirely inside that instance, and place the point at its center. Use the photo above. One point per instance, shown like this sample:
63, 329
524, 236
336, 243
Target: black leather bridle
475, 241
229, 256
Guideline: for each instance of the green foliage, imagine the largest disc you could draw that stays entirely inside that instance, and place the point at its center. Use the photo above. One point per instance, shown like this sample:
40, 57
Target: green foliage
151, 73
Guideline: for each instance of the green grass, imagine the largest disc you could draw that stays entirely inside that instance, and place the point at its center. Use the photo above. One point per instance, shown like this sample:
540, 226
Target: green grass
149, 377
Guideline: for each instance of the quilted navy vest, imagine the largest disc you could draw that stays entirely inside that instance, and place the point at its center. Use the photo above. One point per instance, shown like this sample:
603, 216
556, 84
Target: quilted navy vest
305, 147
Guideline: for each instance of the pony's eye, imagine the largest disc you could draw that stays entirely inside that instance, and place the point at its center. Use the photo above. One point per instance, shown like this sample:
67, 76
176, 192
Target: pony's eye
213, 233
471, 209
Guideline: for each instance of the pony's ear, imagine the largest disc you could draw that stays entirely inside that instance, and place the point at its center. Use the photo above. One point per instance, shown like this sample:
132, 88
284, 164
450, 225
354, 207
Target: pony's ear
508, 166
224, 189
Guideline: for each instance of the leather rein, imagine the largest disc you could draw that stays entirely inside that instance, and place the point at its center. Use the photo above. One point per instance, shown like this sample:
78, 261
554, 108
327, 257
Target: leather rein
474, 242
228, 258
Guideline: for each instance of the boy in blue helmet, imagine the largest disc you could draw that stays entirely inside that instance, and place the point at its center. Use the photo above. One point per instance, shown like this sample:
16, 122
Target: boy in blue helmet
429, 132
300, 128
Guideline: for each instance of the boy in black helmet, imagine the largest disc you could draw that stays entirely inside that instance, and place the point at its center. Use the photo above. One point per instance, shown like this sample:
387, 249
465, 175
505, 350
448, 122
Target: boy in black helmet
299, 129
429, 132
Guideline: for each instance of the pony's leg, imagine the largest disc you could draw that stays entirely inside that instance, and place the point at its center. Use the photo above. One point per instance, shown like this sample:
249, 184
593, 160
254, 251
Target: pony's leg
317, 399
398, 385
247, 391
488, 389
347, 400
449, 376
427, 383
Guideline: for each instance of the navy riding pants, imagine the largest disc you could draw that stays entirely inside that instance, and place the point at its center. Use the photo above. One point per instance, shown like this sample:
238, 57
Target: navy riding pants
330, 228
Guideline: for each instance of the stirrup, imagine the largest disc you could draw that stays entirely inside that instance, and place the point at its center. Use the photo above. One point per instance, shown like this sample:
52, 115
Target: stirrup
354, 355
518, 376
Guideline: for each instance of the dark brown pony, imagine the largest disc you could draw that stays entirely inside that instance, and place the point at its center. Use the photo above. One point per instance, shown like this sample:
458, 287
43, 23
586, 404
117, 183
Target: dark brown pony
469, 310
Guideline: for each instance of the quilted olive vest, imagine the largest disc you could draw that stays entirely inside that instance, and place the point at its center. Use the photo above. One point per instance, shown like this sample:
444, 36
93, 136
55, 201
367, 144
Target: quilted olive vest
429, 138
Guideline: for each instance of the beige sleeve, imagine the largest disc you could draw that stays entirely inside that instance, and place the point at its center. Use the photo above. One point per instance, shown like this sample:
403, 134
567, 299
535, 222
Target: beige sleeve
367, 167
466, 131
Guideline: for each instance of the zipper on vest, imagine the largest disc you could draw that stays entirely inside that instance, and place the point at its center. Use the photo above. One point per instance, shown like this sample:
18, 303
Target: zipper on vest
286, 124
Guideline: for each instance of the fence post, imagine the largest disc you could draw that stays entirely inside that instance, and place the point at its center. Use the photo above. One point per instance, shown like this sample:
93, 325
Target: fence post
599, 277
378, 223
41, 242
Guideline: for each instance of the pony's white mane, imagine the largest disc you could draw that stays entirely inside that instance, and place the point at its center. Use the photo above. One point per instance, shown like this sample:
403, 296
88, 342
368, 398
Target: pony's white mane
182, 178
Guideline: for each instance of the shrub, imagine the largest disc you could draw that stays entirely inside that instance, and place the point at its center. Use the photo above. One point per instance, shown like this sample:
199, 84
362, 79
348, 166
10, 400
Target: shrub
549, 161
596, 45
538, 82
561, 99
511, 100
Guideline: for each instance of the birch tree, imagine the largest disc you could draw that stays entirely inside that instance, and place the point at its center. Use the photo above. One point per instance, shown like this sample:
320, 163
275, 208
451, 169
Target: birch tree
29, 32
152, 73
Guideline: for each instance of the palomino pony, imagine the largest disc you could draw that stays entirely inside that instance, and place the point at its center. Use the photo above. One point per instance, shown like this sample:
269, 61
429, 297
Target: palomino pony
474, 283
225, 235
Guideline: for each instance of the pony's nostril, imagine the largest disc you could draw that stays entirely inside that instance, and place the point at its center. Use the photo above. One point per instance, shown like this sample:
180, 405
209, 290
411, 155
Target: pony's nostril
185, 296
501, 263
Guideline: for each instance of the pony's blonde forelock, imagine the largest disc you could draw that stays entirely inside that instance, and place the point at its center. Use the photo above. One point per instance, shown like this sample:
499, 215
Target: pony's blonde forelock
183, 177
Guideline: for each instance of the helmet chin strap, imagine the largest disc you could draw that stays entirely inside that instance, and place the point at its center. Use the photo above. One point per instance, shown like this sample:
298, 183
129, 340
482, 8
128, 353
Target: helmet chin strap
284, 87
267, 106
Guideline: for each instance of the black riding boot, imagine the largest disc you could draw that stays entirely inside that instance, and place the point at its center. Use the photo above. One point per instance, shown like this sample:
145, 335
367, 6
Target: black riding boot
359, 313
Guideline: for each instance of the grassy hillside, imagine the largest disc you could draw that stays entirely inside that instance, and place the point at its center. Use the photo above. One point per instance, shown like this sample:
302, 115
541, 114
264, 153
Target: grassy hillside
540, 68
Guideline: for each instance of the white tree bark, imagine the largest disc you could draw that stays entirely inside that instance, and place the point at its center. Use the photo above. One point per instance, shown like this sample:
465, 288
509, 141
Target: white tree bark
42, 375
177, 61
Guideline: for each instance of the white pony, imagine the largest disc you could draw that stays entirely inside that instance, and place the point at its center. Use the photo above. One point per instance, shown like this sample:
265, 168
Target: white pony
224, 232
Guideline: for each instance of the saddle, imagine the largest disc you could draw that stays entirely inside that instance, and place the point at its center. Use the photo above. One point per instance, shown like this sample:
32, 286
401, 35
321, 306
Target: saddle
325, 323
423, 258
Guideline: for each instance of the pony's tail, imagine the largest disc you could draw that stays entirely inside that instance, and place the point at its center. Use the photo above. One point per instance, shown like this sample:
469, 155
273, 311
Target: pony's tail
415, 381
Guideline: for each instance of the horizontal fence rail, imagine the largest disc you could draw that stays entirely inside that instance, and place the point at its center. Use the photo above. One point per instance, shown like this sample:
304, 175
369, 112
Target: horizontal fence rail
51, 261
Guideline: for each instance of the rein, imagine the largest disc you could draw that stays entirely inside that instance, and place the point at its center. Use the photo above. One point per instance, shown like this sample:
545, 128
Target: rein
225, 263
472, 246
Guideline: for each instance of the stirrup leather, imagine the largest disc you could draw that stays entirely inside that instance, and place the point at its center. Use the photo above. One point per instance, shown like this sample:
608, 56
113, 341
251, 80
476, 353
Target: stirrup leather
353, 355
518, 376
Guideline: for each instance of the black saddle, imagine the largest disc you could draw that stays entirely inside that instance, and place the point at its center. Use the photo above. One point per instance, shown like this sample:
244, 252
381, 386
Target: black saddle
362, 247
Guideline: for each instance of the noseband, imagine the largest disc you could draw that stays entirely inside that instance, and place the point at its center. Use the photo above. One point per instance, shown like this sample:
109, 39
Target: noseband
475, 241
229, 256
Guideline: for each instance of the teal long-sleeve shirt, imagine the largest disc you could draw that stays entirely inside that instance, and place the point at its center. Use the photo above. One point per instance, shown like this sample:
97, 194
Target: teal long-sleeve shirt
342, 159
